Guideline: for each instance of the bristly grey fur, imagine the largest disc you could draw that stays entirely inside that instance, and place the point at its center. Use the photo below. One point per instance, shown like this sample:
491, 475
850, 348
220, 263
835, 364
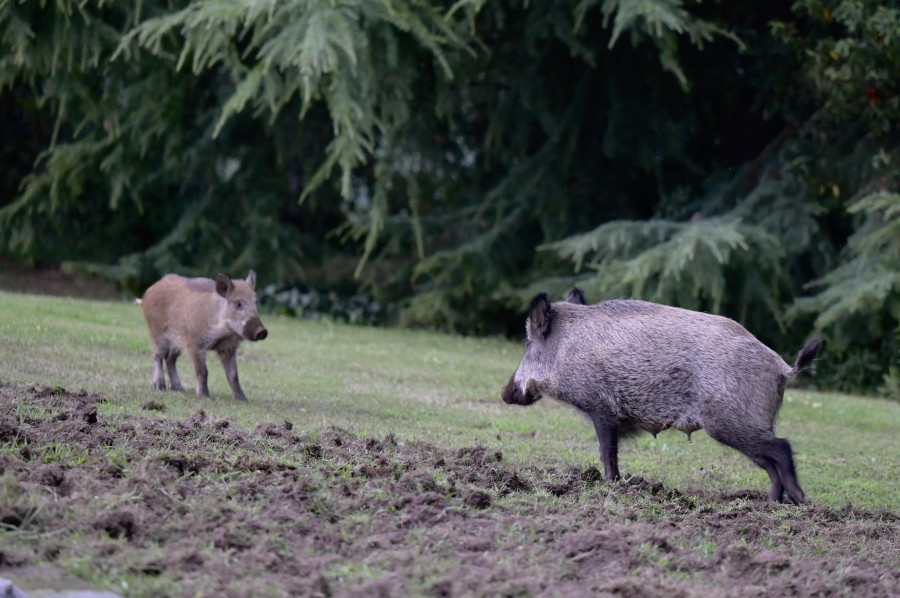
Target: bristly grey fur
636, 365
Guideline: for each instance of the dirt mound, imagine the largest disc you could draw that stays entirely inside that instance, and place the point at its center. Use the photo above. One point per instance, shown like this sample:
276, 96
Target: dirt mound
177, 507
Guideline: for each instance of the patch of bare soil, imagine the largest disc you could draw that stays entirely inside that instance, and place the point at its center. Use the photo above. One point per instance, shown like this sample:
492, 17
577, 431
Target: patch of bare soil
181, 507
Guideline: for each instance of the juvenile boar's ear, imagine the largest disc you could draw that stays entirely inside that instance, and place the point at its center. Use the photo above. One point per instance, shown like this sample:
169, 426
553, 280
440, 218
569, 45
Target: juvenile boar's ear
251, 279
539, 318
223, 285
576, 296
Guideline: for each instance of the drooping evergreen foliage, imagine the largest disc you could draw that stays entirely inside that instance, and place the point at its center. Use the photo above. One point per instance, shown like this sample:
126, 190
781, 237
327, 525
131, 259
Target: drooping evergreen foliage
848, 159
455, 158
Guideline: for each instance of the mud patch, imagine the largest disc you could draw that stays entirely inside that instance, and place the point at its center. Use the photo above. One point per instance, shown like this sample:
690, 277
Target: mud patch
179, 507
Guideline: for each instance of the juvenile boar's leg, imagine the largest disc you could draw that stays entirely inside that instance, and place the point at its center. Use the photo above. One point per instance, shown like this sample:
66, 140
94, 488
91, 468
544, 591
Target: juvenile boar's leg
229, 362
608, 435
199, 359
175, 381
159, 378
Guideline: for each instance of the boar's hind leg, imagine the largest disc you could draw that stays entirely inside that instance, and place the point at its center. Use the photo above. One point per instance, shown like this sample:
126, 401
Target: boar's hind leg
608, 436
175, 381
772, 454
159, 378
229, 362
778, 451
776, 490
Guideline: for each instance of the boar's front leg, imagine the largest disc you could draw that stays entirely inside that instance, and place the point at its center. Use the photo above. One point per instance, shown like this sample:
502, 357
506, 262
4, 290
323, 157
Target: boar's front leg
608, 435
229, 362
198, 357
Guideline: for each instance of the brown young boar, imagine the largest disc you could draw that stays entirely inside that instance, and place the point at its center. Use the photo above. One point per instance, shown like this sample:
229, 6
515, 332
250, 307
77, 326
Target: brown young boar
196, 315
633, 365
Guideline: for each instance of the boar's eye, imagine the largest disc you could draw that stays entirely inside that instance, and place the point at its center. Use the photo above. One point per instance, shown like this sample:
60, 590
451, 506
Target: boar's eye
239, 305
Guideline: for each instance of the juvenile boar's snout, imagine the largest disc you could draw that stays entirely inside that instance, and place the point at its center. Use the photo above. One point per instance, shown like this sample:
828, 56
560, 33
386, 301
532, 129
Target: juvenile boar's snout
255, 331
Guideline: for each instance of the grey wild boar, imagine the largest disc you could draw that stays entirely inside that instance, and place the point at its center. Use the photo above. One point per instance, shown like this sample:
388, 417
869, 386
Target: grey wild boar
196, 315
632, 366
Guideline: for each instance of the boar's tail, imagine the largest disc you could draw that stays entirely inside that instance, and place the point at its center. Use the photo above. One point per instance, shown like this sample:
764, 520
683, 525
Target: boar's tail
806, 356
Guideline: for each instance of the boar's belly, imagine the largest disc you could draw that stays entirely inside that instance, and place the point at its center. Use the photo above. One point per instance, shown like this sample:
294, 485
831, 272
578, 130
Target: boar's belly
683, 424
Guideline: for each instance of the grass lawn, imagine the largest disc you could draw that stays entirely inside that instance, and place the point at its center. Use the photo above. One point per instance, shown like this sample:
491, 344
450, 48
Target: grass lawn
434, 387
382, 462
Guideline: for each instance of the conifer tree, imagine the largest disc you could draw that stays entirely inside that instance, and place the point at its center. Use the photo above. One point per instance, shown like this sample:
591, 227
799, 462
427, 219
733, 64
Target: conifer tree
457, 158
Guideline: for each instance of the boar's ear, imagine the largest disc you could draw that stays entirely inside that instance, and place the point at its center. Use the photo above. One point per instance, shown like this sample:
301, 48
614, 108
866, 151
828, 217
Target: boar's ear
223, 285
576, 296
538, 326
251, 279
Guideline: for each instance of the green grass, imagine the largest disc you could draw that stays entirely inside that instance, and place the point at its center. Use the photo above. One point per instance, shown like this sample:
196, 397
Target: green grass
438, 388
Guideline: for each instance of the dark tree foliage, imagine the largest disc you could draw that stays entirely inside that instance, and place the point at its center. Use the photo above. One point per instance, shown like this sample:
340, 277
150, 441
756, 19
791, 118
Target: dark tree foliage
846, 157
457, 158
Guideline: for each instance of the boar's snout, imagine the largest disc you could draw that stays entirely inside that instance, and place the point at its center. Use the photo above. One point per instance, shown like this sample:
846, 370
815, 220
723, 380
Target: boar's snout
255, 331
508, 392
513, 395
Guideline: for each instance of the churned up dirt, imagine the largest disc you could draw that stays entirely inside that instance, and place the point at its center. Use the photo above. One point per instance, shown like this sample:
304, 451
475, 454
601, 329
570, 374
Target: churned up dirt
151, 506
